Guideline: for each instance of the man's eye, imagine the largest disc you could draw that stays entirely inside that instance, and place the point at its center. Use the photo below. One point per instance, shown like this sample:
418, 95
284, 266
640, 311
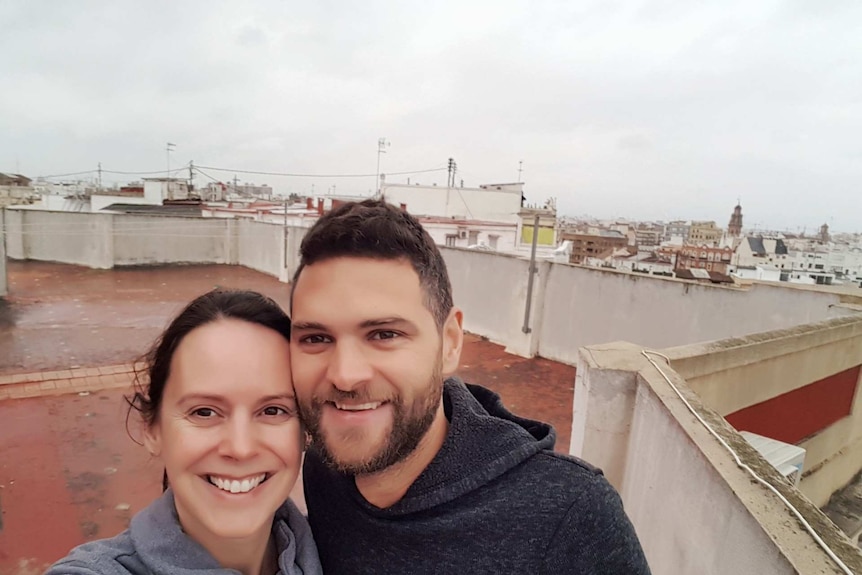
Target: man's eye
385, 334
314, 339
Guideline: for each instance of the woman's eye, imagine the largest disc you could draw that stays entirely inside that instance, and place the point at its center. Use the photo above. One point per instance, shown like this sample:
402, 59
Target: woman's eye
274, 410
204, 412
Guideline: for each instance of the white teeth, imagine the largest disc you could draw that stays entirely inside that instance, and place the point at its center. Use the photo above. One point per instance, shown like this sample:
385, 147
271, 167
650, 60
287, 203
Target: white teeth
360, 407
235, 485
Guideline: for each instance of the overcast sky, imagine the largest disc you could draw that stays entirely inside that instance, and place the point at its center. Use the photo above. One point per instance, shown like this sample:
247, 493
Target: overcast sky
663, 109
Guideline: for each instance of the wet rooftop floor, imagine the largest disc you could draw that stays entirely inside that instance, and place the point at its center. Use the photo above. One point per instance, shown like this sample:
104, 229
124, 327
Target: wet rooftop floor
69, 471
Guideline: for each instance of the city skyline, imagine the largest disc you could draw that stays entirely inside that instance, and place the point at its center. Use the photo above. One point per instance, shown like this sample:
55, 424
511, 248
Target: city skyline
651, 110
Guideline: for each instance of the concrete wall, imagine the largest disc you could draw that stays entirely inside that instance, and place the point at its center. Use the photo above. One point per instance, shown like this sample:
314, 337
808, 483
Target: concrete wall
105, 240
586, 306
571, 306
694, 509
492, 291
68, 237
147, 240
294, 240
260, 246
4, 287
732, 375
575, 306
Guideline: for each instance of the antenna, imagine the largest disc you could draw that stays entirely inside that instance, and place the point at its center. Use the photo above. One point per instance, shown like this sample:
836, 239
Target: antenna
520, 169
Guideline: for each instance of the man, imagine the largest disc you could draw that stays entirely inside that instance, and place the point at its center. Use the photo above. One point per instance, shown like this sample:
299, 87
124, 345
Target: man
411, 472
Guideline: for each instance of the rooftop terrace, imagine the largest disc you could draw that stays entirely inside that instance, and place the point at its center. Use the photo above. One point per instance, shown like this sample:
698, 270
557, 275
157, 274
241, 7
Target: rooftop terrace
785, 363
69, 471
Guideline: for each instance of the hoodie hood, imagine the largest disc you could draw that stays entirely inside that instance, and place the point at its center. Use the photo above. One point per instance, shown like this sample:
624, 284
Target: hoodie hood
483, 442
162, 546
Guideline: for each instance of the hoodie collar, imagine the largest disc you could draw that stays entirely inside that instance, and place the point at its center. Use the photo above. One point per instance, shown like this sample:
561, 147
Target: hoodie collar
162, 545
484, 441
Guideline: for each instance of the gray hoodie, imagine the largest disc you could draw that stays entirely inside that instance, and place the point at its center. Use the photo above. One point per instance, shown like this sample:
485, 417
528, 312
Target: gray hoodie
154, 544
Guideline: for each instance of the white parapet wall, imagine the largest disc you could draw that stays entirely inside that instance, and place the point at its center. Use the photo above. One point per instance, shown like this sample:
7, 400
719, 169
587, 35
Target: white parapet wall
694, 509
771, 369
491, 289
108, 240
570, 306
4, 287
575, 306
148, 240
67, 237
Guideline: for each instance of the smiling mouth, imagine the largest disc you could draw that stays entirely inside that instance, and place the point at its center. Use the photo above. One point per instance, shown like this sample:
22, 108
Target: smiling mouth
357, 406
237, 485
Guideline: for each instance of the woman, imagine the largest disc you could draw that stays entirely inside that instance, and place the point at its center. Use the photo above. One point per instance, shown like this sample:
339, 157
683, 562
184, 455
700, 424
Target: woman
218, 409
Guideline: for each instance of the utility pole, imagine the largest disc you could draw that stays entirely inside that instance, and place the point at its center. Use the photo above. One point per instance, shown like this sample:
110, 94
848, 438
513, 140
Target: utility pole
382, 144
191, 175
235, 184
285, 236
100, 175
533, 269
168, 149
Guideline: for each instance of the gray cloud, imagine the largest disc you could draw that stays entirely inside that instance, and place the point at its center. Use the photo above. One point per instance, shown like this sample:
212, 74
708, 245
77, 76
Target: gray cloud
646, 109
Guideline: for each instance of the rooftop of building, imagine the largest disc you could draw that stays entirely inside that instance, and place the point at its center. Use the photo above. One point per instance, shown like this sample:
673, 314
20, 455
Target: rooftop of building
68, 336
758, 349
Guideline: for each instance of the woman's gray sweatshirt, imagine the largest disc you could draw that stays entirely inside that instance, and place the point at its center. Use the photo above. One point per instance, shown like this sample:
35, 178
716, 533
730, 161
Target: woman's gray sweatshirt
155, 544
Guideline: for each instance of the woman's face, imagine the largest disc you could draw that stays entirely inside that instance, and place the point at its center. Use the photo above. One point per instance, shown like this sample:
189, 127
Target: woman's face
227, 430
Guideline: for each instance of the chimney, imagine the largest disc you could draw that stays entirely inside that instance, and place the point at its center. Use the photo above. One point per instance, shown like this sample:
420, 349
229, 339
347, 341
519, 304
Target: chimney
403, 207
309, 203
319, 206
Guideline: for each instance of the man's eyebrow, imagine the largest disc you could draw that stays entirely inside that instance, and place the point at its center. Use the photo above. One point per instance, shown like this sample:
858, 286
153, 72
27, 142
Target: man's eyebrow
307, 326
385, 321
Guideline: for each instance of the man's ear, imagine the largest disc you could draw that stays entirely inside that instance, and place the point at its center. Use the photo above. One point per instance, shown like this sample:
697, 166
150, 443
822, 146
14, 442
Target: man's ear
453, 341
153, 439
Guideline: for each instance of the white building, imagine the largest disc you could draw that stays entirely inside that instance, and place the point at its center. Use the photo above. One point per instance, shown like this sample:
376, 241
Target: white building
490, 203
153, 192
476, 234
759, 273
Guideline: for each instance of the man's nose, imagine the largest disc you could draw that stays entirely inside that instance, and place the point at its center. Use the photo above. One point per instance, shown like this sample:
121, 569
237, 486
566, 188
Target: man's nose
349, 366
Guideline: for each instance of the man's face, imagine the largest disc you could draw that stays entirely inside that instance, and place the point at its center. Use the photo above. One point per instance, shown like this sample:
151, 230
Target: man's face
368, 360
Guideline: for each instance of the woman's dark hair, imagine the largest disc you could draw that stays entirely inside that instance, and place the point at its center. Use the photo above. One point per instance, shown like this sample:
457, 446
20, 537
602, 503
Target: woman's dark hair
151, 373
375, 229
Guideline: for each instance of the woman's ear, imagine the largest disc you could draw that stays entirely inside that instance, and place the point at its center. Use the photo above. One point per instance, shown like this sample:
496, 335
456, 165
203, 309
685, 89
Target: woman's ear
153, 439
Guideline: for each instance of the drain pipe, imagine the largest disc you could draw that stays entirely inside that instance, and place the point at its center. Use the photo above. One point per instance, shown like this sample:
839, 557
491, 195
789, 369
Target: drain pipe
533, 270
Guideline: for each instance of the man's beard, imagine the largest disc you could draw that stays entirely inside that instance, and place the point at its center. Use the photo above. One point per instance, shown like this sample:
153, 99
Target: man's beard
409, 425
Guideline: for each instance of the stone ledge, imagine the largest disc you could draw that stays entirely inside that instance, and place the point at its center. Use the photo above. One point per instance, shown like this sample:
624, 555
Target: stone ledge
59, 382
73, 373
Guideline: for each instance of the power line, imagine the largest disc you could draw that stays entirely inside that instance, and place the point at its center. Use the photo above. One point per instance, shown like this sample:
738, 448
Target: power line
253, 172
67, 175
180, 169
120, 172
291, 175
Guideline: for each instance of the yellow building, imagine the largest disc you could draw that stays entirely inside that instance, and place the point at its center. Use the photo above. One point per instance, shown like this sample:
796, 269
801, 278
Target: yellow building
704, 233
547, 226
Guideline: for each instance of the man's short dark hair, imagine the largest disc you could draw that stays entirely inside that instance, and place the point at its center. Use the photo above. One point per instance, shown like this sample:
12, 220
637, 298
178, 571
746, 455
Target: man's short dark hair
375, 229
